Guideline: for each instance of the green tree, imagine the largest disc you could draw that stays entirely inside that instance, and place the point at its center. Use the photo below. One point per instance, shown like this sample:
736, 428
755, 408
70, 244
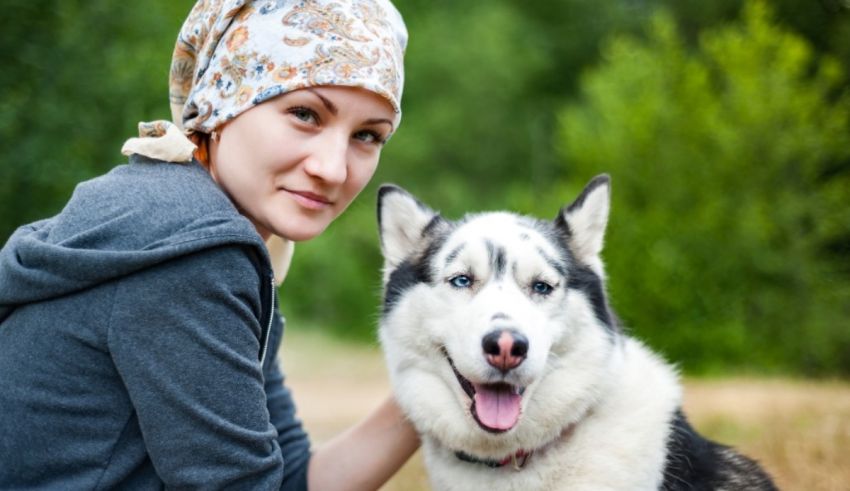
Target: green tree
464, 131
77, 76
731, 167
484, 81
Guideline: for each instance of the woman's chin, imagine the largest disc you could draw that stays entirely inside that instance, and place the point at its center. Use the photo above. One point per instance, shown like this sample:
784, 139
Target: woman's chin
300, 232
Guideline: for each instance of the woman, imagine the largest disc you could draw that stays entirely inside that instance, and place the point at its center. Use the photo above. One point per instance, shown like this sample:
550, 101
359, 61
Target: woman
138, 327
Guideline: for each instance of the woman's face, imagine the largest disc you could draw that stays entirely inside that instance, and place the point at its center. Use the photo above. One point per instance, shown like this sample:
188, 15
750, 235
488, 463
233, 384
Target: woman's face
293, 163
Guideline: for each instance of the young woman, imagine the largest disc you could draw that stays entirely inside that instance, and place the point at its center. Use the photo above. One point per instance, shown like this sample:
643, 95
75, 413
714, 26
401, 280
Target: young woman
138, 327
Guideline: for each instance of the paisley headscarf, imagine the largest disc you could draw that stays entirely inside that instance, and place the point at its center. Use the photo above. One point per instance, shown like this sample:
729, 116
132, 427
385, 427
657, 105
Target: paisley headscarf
234, 54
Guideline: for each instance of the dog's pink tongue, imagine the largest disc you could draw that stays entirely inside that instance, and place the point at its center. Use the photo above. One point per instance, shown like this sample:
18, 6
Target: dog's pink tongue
497, 408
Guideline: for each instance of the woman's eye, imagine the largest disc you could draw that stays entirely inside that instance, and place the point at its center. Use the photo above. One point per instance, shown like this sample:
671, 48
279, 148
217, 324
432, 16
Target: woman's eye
304, 114
368, 136
461, 281
541, 288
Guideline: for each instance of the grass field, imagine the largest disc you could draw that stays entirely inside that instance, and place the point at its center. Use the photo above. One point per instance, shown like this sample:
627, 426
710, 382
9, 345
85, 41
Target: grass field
798, 429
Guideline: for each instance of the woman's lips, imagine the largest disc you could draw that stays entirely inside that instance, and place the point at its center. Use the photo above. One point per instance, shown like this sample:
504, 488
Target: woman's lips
311, 201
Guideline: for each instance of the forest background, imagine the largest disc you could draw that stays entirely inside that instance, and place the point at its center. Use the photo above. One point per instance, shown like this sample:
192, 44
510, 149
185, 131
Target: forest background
725, 126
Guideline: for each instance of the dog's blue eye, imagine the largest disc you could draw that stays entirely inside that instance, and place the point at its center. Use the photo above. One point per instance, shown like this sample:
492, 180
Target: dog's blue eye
461, 281
541, 287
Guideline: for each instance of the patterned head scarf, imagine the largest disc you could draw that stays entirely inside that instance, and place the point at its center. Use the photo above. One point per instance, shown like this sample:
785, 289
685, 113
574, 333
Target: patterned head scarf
234, 54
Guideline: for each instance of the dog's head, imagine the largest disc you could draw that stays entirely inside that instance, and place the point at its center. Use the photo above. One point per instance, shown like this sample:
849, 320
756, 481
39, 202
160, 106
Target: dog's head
496, 328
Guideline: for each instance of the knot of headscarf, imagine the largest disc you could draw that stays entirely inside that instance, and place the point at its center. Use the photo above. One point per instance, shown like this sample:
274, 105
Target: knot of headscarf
234, 54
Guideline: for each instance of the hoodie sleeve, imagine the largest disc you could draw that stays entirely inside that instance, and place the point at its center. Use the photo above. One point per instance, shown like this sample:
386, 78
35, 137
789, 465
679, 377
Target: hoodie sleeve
185, 338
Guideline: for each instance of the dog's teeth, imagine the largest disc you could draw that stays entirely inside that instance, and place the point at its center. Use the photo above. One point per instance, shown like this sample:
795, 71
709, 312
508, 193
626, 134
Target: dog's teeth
516, 390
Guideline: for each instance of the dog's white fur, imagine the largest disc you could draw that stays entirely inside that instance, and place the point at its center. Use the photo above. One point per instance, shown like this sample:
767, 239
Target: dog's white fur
597, 405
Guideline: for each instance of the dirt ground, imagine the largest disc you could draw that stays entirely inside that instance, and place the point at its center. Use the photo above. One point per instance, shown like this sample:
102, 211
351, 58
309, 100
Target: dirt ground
798, 429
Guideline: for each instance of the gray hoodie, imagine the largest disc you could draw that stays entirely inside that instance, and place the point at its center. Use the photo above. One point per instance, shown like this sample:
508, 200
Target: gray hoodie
138, 342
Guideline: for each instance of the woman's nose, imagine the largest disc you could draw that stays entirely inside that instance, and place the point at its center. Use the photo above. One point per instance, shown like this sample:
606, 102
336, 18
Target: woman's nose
328, 160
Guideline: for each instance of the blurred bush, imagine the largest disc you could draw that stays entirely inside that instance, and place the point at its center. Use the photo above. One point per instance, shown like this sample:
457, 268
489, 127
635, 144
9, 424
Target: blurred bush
482, 82
77, 77
730, 232
749, 270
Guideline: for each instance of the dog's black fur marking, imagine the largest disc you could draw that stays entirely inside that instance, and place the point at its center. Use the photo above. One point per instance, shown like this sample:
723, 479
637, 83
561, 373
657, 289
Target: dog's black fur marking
564, 232
556, 234
436, 221
497, 256
454, 254
407, 275
491, 251
411, 272
582, 278
558, 266
695, 463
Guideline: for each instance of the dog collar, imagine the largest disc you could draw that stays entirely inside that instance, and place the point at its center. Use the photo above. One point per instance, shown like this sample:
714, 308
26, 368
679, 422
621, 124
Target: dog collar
518, 459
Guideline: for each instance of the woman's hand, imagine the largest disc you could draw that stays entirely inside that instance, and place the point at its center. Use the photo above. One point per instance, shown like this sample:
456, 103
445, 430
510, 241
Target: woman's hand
365, 456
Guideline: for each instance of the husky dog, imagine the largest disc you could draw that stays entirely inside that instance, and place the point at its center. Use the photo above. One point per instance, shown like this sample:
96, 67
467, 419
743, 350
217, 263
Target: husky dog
505, 355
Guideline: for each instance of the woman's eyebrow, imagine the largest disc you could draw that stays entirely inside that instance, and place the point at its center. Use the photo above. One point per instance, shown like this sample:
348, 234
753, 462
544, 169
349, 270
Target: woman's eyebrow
379, 121
328, 104
334, 110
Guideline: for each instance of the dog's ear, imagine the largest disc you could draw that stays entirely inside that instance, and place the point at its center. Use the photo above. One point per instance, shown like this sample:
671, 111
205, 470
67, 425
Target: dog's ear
583, 222
402, 223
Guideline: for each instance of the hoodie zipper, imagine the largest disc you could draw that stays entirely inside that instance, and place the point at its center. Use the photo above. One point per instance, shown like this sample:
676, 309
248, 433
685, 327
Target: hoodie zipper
268, 332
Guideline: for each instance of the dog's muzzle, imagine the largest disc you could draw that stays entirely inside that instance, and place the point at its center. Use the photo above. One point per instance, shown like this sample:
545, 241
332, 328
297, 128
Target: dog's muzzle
495, 407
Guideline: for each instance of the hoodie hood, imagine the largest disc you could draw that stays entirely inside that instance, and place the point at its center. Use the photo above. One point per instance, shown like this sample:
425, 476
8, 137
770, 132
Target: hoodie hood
136, 216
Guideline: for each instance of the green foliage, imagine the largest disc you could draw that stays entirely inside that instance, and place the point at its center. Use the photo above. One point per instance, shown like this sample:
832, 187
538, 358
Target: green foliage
77, 76
477, 133
731, 171
753, 113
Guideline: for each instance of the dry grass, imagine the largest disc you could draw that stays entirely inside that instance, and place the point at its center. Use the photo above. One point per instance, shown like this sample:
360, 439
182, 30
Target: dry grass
799, 430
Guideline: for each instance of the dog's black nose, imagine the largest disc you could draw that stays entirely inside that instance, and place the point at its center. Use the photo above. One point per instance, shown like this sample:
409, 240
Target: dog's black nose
504, 349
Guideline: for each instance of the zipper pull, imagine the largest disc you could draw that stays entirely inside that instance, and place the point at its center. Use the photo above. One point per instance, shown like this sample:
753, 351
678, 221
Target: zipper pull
265, 336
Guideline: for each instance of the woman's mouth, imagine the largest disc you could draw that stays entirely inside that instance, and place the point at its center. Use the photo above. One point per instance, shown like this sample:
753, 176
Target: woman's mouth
311, 201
